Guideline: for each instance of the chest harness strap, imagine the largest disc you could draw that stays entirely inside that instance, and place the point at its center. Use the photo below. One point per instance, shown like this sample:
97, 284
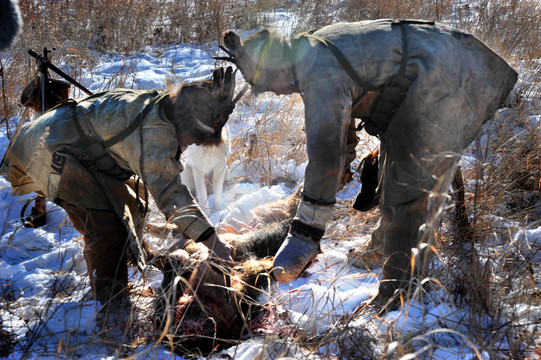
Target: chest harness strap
392, 94
91, 151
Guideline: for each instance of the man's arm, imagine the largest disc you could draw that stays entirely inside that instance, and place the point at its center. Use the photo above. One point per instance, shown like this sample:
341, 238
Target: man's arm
328, 113
327, 117
161, 174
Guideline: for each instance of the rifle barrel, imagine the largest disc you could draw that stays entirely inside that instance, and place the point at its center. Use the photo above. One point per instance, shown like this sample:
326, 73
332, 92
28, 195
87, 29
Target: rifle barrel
58, 71
68, 78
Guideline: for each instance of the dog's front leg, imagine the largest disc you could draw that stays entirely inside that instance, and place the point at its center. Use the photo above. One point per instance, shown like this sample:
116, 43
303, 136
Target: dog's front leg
218, 176
200, 187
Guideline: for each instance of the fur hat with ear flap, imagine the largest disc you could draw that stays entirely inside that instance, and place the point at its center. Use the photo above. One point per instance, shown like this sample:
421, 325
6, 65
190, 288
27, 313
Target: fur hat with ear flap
259, 57
202, 108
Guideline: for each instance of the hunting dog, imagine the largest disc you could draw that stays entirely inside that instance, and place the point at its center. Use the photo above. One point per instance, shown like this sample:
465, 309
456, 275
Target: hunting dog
207, 166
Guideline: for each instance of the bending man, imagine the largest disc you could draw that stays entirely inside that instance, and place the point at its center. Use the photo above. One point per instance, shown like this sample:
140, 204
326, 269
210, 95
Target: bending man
422, 88
89, 156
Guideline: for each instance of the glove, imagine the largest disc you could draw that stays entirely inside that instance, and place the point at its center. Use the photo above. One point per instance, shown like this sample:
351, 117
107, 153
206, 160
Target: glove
220, 249
297, 252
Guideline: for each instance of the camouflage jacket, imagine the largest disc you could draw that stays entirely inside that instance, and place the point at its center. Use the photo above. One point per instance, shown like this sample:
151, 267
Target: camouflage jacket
457, 83
34, 159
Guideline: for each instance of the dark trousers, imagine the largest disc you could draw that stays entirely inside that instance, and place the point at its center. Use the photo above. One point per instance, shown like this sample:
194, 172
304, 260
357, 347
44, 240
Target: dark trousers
106, 250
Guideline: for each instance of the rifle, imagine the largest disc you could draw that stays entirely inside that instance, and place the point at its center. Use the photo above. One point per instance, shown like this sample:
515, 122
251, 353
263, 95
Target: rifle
29, 97
52, 92
44, 65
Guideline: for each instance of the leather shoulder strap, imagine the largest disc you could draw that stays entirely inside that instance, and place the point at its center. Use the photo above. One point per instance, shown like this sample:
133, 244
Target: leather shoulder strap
339, 55
127, 131
131, 128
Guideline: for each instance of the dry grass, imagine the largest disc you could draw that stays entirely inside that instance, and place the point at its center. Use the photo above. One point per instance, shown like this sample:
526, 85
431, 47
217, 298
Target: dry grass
269, 133
513, 28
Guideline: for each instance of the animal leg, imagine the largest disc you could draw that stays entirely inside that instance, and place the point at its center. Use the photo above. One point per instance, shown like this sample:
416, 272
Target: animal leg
218, 176
187, 178
200, 188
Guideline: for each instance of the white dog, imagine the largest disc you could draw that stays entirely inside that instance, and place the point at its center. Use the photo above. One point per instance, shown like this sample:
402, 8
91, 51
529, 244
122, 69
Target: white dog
200, 161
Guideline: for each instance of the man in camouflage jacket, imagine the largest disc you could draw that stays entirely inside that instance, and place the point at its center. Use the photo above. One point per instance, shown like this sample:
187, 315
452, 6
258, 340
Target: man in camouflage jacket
424, 89
56, 156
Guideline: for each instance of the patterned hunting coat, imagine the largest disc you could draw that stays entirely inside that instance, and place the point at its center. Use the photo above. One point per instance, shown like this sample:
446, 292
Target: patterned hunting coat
41, 155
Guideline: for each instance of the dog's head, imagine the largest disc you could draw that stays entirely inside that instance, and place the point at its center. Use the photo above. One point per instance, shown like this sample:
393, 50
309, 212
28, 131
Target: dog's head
203, 107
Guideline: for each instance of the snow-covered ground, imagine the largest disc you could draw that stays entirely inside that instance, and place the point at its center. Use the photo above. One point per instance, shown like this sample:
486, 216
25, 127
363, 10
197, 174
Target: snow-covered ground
44, 287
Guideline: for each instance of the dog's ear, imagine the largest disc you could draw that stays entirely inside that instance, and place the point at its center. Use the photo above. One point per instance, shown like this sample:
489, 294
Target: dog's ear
232, 42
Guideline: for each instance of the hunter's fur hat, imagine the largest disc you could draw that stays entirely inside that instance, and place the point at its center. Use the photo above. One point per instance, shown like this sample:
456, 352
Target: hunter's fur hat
203, 107
259, 57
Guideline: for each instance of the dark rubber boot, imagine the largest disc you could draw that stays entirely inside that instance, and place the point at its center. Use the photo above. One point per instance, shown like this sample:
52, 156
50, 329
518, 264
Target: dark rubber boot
293, 257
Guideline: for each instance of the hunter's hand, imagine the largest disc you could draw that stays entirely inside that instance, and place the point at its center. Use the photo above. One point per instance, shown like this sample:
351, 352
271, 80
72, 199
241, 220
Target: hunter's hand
220, 249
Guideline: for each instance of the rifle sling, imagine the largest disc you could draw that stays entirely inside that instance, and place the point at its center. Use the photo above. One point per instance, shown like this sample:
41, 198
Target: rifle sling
127, 131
